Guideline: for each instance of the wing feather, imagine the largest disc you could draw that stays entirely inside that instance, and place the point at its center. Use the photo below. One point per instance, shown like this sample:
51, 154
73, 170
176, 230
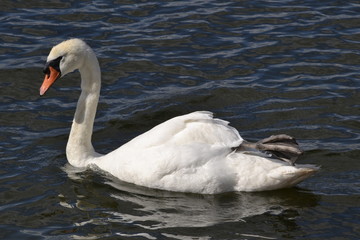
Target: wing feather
196, 127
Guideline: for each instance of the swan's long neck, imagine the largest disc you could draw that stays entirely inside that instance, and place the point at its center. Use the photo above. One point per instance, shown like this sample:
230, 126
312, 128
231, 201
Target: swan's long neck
79, 149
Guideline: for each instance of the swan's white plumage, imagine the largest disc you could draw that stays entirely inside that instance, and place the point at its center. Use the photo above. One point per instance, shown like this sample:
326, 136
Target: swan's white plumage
189, 153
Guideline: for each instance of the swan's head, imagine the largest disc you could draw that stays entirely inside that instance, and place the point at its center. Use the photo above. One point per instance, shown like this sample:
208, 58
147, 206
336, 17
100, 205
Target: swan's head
64, 58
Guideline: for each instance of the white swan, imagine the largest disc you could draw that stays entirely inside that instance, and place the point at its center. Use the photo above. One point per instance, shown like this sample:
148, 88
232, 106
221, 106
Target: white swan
190, 153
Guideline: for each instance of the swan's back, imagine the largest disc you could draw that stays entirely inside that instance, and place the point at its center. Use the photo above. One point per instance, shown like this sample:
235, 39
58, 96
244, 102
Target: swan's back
196, 127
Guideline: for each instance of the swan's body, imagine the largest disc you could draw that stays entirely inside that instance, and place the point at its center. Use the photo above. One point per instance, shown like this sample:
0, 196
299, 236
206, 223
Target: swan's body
189, 153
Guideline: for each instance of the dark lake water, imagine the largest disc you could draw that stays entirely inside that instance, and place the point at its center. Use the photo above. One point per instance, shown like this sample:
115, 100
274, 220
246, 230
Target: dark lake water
268, 67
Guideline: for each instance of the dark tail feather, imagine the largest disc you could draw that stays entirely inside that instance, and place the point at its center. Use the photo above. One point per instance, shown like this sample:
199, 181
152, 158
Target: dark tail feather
281, 146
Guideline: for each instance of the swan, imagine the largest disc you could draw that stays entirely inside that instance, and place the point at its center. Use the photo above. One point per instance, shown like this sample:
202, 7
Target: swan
190, 153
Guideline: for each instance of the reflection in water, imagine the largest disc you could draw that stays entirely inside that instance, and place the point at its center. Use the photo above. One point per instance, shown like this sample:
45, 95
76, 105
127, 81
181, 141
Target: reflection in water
154, 209
200, 211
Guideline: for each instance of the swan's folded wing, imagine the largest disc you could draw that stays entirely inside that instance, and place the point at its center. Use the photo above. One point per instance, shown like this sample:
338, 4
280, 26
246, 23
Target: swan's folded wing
196, 127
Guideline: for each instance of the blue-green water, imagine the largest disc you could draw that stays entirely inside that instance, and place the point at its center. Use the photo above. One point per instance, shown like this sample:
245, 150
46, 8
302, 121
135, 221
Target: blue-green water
268, 67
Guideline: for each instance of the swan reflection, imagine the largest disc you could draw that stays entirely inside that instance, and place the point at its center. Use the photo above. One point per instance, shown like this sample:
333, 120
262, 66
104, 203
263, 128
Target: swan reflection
154, 209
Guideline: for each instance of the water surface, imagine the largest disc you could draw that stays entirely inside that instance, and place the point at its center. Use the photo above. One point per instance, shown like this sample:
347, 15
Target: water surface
268, 67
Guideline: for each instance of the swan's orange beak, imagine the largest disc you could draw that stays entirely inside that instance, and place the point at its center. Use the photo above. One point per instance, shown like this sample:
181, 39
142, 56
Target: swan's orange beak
49, 79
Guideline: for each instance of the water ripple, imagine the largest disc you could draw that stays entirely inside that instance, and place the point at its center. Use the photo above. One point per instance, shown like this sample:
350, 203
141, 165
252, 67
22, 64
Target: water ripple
266, 66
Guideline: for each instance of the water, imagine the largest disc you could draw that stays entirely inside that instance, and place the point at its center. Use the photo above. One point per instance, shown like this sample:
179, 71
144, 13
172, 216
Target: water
268, 67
